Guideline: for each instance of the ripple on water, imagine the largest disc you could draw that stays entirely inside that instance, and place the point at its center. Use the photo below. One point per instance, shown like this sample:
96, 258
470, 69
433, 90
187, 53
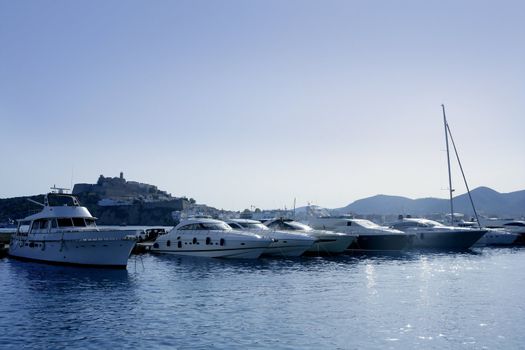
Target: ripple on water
412, 300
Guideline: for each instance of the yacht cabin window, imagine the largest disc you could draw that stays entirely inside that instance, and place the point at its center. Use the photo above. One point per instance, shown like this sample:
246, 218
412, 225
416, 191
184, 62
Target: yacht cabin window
289, 225
277, 224
189, 227
79, 222
65, 222
297, 226
23, 227
43, 224
404, 225
39, 226
206, 226
215, 226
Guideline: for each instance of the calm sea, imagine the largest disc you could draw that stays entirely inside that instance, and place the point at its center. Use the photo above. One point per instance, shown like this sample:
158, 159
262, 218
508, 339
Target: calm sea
415, 301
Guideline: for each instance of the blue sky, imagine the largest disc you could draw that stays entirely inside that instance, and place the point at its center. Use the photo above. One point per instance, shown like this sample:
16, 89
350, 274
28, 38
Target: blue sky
240, 103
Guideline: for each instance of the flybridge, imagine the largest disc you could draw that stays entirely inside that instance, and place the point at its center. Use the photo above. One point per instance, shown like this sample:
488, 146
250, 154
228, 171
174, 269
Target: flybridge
58, 198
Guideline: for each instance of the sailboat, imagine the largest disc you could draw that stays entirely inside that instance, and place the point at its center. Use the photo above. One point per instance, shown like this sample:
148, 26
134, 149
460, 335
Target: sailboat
434, 235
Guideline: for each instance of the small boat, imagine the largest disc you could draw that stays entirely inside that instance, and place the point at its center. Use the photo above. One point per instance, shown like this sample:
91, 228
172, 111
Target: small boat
203, 237
285, 244
64, 232
371, 236
326, 242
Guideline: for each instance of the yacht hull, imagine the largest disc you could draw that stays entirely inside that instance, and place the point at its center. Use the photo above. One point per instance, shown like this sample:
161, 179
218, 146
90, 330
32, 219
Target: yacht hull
497, 239
252, 251
521, 239
382, 242
331, 244
454, 240
81, 252
288, 248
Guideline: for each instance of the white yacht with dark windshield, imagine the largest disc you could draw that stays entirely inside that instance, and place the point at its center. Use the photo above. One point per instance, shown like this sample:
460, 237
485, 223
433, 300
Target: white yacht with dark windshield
203, 237
326, 242
429, 234
285, 244
64, 232
371, 236
516, 227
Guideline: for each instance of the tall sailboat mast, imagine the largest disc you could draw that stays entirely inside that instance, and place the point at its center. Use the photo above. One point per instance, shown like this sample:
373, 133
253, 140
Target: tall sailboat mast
448, 163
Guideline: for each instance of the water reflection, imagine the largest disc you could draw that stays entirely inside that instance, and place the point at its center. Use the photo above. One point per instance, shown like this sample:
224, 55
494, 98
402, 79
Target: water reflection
416, 299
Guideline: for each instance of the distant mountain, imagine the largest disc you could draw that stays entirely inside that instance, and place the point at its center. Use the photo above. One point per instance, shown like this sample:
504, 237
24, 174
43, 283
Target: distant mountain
487, 202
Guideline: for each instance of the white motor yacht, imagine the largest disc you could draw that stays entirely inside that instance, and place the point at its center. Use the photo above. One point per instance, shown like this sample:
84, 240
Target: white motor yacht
211, 238
286, 244
65, 233
431, 234
497, 237
517, 227
326, 242
371, 236
493, 237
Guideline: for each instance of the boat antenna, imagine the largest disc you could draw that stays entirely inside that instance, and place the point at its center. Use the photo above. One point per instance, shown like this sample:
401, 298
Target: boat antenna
71, 183
463, 173
448, 163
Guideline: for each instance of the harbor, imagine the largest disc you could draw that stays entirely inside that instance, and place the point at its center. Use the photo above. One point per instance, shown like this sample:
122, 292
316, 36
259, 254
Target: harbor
277, 175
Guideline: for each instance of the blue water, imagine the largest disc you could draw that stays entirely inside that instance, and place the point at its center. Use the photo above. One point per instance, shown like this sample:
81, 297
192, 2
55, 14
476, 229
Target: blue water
431, 301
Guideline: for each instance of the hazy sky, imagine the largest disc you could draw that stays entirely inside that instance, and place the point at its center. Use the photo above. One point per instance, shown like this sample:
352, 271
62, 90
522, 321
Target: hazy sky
240, 103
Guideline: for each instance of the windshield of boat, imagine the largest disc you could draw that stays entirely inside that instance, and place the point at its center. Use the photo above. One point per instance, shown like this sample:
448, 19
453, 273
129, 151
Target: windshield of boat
430, 223
366, 223
515, 223
219, 226
253, 225
298, 226
289, 225
408, 223
56, 200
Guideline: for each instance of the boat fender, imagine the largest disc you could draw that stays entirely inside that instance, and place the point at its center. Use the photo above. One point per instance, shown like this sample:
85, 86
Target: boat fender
221, 242
208, 240
179, 244
168, 243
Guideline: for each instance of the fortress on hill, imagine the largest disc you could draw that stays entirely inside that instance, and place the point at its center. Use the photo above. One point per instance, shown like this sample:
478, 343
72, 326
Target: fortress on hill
115, 201
118, 191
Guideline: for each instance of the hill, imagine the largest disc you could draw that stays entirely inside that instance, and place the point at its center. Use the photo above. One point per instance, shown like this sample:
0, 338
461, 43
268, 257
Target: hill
487, 201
